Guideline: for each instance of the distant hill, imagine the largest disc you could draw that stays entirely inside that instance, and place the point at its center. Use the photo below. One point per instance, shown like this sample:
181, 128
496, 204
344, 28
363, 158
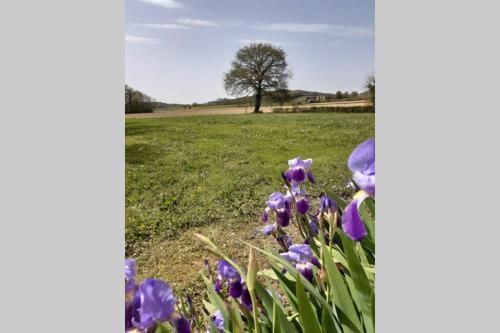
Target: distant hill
296, 97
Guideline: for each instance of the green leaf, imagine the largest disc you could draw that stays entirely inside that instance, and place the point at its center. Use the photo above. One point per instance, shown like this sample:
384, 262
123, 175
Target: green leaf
160, 328
209, 306
349, 319
326, 322
369, 240
360, 284
370, 204
235, 315
215, 299
307, 315
271, 301
276, 319
268, 273
276, 258
288, 286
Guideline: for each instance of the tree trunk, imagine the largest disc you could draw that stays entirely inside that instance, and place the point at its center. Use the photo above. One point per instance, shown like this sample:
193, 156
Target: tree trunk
258, 97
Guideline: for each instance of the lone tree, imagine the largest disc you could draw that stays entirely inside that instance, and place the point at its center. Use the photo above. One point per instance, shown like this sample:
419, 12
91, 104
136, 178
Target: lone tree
370, 85
259, 69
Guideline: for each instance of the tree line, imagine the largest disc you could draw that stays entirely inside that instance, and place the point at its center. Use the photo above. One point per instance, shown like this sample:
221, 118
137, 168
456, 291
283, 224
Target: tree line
137, 102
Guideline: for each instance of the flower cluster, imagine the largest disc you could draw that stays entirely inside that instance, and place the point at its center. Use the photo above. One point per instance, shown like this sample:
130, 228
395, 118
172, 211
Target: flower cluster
150, 303
295, 206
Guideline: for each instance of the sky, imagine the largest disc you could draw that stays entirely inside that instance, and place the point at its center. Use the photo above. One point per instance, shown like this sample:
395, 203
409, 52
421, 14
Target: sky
177, 51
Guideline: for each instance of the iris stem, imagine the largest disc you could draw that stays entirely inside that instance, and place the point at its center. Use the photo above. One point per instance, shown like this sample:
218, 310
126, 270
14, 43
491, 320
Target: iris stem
254, 310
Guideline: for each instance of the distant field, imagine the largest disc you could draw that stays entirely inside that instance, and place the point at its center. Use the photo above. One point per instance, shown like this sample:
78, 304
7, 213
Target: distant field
231, 109
213, 175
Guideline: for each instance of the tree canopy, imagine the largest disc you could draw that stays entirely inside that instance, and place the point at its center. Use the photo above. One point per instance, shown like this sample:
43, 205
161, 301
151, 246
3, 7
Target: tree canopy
258, 69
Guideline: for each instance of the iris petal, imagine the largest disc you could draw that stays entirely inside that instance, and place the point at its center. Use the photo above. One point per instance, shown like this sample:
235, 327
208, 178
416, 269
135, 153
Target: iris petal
365, 182
155, 302
352, 224
362, 158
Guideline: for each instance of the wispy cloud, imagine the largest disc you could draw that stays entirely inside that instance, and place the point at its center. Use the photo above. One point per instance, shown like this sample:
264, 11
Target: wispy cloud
333, 30
165, 3
196, 22
167, 26
141, 40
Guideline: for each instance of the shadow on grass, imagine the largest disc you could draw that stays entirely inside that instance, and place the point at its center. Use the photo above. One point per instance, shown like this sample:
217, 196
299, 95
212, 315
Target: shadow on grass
140, 153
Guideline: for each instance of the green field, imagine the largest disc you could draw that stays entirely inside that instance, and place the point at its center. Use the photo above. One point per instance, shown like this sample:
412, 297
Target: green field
213, 174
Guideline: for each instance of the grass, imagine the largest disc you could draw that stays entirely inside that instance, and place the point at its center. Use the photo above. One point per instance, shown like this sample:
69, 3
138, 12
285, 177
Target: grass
213, 174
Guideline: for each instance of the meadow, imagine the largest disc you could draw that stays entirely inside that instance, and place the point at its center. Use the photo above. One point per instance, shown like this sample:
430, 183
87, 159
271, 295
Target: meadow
213, 174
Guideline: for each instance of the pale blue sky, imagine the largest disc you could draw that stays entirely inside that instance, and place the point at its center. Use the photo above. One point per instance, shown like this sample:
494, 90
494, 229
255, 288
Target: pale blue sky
176, 51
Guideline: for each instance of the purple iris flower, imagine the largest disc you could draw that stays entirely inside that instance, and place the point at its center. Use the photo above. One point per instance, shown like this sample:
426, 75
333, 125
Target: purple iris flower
246, 300
218, 285
301, 201
281, 204
313, 226
181, 325
264, 216
227, 272
218, 321
327, 204
128, 316
130, 272
154, 301
235, 288
302, 205
283, 217
277, 201
286, 239
298, 170
362, 164
303, 258
352, 224
268, 229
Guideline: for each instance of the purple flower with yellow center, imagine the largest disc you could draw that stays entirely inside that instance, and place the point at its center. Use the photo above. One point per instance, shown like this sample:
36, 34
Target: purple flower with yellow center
154, 301
229, 273
362, 164
298, 170
130, 272
281, 205
303, 258
352, 224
